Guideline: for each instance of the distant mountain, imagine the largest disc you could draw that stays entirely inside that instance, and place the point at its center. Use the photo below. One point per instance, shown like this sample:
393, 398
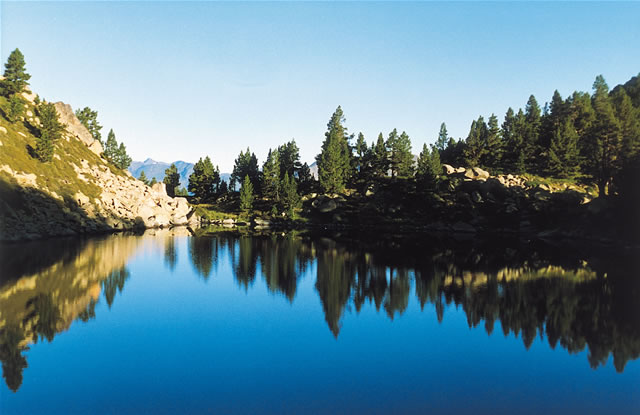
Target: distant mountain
156, 169
314, 170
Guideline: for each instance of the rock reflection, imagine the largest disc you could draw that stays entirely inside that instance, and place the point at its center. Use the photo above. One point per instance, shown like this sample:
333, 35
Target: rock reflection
42, 296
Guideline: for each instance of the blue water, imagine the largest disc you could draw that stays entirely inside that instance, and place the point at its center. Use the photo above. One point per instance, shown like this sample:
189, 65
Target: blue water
186, 335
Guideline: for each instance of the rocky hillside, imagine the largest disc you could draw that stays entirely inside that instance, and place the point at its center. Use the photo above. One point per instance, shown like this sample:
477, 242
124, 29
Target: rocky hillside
78, 191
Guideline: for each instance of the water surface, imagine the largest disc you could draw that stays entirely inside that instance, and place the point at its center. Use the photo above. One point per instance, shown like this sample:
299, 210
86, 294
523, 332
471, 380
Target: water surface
170, 323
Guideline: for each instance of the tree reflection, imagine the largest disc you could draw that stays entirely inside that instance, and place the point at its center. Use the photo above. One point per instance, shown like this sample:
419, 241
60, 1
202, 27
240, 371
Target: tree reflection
170, 254
13, 362
114, 283
203, 252
45, 315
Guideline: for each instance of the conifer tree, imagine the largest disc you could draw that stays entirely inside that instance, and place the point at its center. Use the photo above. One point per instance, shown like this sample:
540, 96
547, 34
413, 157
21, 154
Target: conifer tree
512, 133
15, 74
629, 118
563, 158
143, 178
305, 179
16, 108
203, 182
271, 176
380, 157
492, 157
50, 131
290, 197
403, 157
531, 134
246, 195
172, 179
122, 161
334, 160
245, 165
289, 157
603, 138
476, 143
429, 168
89, 119
111, 147
443, 138
153, 181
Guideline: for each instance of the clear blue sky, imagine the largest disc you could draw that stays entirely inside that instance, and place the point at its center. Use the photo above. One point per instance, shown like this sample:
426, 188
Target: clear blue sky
180, 80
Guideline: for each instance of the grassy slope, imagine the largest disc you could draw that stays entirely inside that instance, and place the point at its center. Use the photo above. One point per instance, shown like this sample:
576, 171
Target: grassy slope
57, 176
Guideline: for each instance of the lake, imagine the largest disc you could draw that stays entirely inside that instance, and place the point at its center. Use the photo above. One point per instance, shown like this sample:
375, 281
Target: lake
167, 322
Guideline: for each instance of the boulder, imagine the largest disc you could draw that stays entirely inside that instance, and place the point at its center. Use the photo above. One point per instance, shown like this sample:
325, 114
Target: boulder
160, 189
228, 221
476, 173
3, 130
483, 174
448, 169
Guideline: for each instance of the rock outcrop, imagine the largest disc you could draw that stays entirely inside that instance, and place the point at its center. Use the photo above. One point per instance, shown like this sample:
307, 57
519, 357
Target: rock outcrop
77, 191
76, 128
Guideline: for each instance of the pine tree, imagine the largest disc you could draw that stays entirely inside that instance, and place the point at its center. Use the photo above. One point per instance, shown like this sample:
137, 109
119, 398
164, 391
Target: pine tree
204, 181
443, 138
402, 156
290, 197
245, 165
563, 159
15, 74
122, 160
531, 134
380, 157
429, 168
334, 160
50, 131
111, 147
553, 119
16, 108
305, 179
172, 179
271, 177
512, 134
153, 181
603, 138
89, 119
246, 195
143, 178
289, 157
453, 154
476, 143
493, 145
223, 188
629, 118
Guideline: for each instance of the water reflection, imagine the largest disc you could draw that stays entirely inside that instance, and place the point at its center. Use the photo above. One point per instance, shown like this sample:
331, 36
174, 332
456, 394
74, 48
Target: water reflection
41, 296
573, 301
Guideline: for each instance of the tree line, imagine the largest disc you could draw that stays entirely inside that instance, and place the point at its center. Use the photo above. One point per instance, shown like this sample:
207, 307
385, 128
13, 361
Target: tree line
589, 137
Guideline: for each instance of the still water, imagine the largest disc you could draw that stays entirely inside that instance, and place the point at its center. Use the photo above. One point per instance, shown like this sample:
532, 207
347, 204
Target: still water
166, 322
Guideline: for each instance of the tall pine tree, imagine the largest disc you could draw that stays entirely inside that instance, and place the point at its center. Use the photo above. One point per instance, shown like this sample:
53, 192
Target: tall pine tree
334, 160
15, 74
